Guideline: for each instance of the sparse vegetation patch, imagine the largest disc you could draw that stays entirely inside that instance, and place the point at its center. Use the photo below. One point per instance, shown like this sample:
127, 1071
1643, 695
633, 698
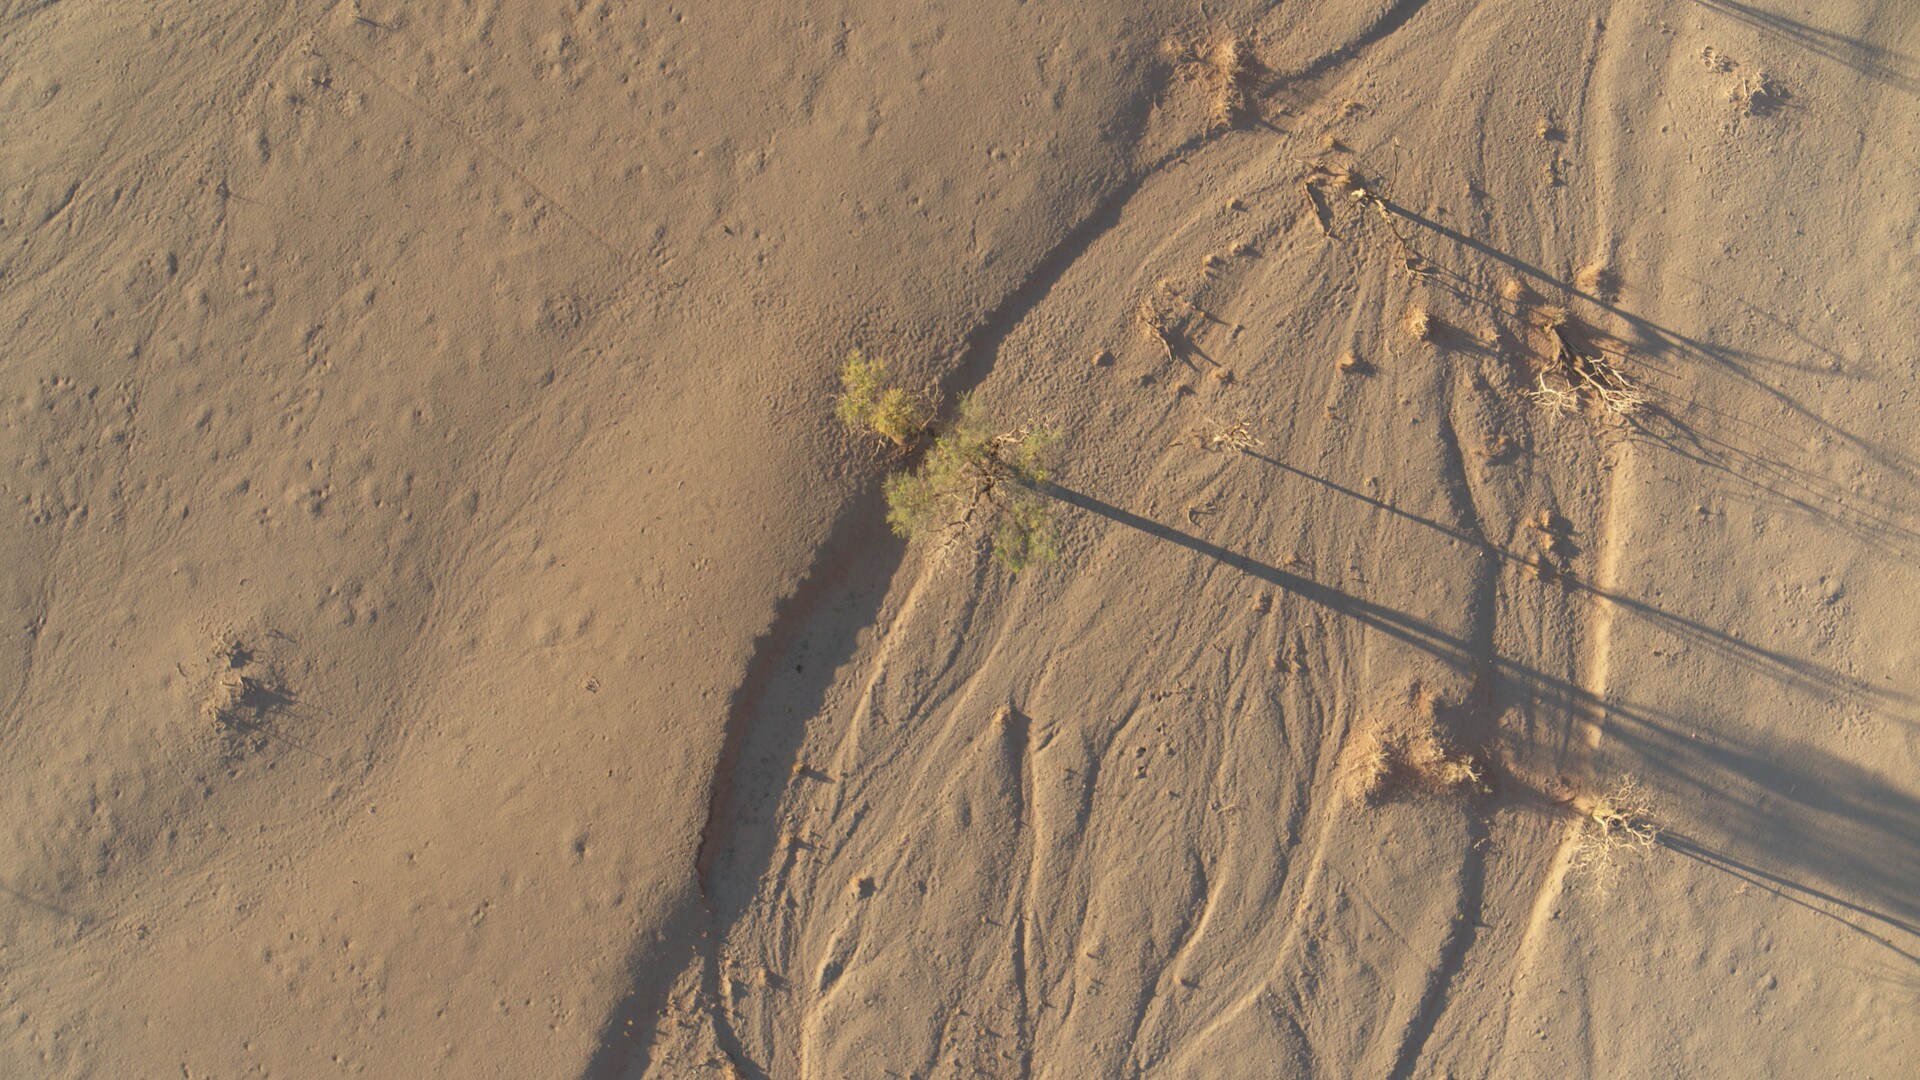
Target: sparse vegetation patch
1402, 764
976, 470
1224, 65
976, 475
869, 401
1612, 827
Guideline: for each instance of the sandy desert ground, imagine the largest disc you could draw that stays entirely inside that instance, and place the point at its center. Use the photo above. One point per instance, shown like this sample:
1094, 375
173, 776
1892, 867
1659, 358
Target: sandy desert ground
447, 631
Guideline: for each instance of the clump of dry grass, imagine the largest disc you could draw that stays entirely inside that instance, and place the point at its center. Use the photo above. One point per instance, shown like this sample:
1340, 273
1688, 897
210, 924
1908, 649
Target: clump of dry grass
1598, 279
1217, 436
245, 696
1224, 65
1415, 760
1418, 324
1756, 95
1500, 448
1610, 828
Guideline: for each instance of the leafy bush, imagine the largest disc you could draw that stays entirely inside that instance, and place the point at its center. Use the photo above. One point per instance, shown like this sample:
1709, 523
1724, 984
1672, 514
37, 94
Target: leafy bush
867, 401
1025, 535
973, 468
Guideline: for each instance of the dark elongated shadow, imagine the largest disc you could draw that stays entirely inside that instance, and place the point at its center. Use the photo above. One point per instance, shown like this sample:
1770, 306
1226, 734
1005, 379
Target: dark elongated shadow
1679, 426
1896, 69
1829, 819
1395, 624
1797, 815
1793, 671
1667, 338
1819, 499
1794, 892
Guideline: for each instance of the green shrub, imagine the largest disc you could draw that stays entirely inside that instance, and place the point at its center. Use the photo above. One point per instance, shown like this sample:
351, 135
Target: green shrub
1025, 534
974, 469
868, 402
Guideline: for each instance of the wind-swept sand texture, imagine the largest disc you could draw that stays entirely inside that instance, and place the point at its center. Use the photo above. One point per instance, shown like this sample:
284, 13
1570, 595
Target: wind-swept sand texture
447, 633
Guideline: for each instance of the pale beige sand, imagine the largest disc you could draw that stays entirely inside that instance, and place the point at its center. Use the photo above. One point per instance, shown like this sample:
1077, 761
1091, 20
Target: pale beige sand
446, 632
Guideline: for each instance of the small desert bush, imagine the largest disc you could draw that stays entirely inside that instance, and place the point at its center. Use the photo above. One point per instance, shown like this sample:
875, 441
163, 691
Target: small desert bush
977, 474
1398, 764
1611, 827
1225, 67
868, 401
1571, 377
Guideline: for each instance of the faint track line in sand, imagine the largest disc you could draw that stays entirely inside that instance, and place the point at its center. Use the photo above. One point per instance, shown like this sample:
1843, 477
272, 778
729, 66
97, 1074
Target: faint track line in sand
1454, 951
1191, 930
1017, 731
625, 258
1472, 878
1309, 891
1590, 722
1595, 662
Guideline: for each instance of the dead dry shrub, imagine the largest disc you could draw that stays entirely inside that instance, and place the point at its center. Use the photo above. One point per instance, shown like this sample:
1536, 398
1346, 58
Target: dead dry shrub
1153, 321
1164, 313
1571, 378
1418, 324
1219, 436
1611, 828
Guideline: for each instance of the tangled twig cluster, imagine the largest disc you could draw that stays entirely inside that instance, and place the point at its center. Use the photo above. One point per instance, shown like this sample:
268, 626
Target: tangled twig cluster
1573, 376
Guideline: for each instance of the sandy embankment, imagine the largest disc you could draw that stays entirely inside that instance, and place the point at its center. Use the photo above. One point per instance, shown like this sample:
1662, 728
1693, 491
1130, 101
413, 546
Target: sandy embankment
456, 378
